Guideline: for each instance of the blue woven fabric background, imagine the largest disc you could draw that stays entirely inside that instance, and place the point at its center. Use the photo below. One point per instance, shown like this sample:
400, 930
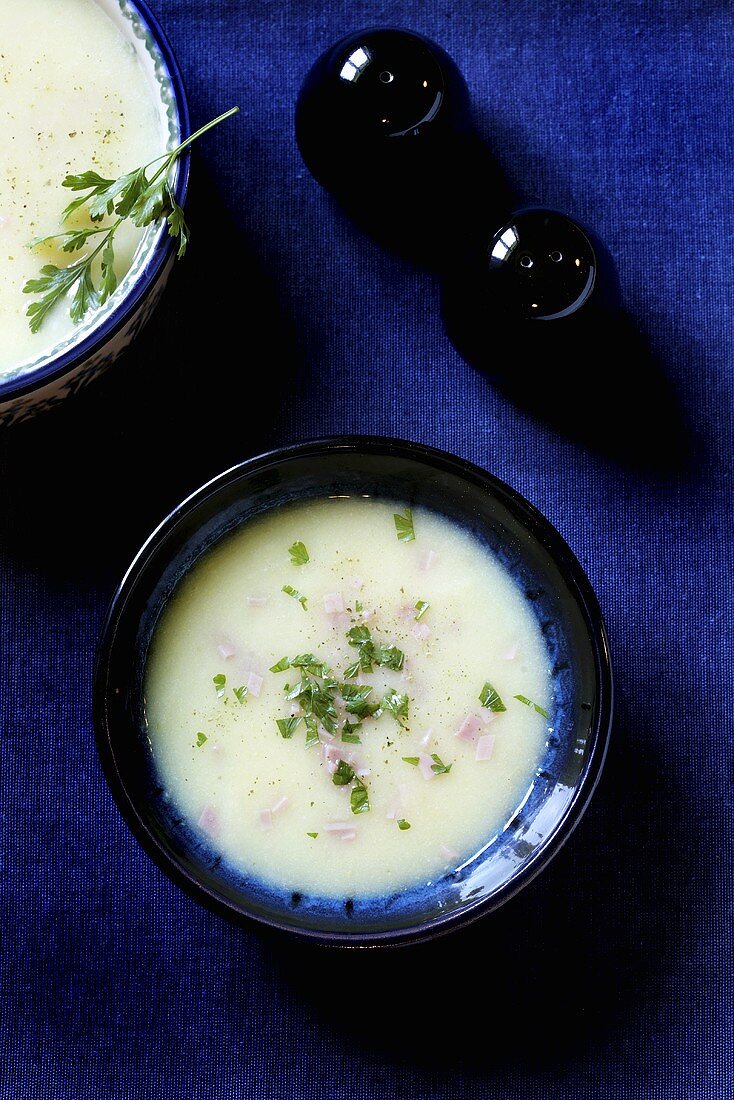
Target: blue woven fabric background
610, 977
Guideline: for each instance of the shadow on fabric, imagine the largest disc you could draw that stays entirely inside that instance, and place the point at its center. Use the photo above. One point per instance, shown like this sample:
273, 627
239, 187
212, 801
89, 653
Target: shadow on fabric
574, 961
85, 482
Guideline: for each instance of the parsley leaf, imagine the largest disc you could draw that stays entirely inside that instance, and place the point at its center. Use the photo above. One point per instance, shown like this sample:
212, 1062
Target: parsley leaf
201, 739
312, 731
240, 693
299, 554
387, 656
287, 726
411, 760
403, 824
219, 682
489, 698
404, 525
291, 591
344, 774
281, 665
397, 705
420, 609
438, 767
355, 700
529, 703
349, 732
314, 835
359, 798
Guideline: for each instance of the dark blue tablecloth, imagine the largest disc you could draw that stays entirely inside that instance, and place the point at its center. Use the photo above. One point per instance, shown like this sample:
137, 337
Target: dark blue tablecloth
610, 977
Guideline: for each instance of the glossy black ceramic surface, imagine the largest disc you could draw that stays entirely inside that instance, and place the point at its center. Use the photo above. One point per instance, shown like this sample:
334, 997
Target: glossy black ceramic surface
541, 266
557, 592
383, 122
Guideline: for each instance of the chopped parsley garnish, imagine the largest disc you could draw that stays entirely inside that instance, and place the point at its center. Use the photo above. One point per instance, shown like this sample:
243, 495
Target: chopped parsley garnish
359, 798
314, 835
298, 553
314, 698
490, 699
240, 693
529, 703
438, 767
219, 681
420, 609
201, 739
349, 732
397, 705
288, 726
281, 665
312, 732
358, 607
355, 700
404, 525
344, 774
291, 591
403, 824
411, 760
370, 652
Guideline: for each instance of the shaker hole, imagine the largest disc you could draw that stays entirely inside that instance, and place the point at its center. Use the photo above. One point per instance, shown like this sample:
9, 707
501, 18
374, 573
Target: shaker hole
386, 77
556, 256
526, 261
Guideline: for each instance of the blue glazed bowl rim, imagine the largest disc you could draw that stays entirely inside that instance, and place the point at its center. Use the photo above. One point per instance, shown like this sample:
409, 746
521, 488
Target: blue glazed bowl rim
60, 365
534, 522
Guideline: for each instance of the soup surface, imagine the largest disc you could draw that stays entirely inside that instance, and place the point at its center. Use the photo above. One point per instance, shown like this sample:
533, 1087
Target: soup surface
73, 97
262, 754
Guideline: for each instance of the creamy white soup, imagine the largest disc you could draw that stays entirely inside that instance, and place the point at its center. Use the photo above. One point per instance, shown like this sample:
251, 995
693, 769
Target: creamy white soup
73, 97
342, 709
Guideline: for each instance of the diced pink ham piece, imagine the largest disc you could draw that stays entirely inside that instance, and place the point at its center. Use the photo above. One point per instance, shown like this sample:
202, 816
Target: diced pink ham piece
357, 582
342, 830
488, 715
510, 654
397, 802
485, 747
254, 683
469, 728
226, 650
332, 756
449, 854
257, 601
281, 804
333, 603
425, 766
426, 739
209, 821
265, 817
421, 631
429, 560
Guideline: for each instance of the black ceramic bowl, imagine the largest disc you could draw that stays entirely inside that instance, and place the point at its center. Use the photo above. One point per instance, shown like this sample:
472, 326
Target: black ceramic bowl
556, 589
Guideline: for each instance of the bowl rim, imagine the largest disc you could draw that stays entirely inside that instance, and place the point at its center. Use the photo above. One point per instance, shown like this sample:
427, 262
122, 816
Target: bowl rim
58, 366
533, 520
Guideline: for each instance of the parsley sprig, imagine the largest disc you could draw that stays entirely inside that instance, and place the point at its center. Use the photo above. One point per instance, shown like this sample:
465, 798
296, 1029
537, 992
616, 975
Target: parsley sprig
134, 197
